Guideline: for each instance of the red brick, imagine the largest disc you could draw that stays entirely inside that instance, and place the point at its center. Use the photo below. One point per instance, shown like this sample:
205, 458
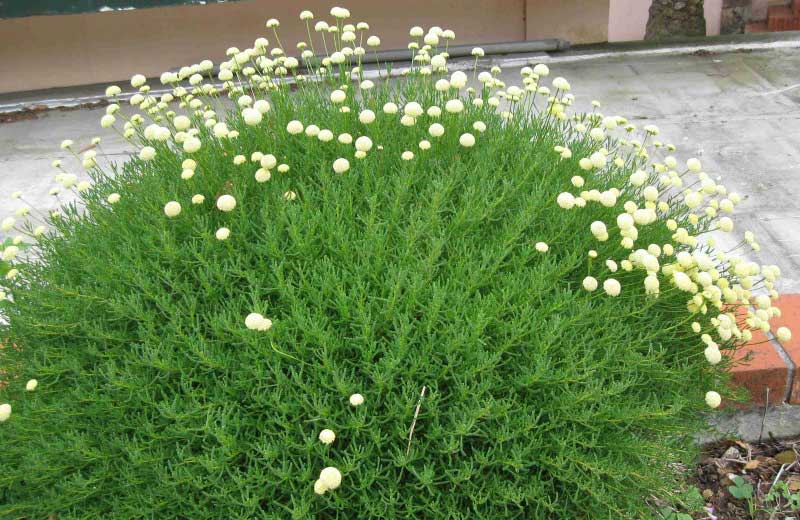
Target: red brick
789, 304
759, 366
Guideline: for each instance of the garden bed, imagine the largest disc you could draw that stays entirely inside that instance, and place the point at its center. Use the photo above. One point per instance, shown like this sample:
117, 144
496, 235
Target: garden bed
741, 480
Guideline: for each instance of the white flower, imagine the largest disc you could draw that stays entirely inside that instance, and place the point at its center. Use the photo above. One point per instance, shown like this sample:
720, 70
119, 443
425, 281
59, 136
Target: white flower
356, 400
191, 144
113, 198
273, 22
338, 96
325, 135
319, 487
366, 116
8, 224
478, 52
147, 153
480, 126
424, 145
31, 385
256, 321
66, 143
306, 15
341, 164
390, 108
113, 90
5, 412
137, 80
783, 334
294, 127
590, 283
561, 83
598, 229
612, 287
565, 200
363, 144
331, 477
172, 209
694, 166
327, 436
251, 116
436, 130
289, 196
262, 106
726, 224
413, 109
373, 41
713, 399
541, 70
416, 31
107, 121
713, 355
345, 138
407, 155
226, 203
222, 233
454, 106
541, 247
467, 140
198, 199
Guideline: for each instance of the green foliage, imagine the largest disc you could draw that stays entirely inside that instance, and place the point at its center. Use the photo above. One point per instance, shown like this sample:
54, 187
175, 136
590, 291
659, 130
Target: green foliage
741, 489
154, 401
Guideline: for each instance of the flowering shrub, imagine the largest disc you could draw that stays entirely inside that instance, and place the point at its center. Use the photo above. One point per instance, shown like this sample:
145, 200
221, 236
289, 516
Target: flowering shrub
339, 296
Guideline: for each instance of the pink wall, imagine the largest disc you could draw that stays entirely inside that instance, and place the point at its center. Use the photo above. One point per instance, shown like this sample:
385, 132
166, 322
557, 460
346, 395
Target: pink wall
627, 19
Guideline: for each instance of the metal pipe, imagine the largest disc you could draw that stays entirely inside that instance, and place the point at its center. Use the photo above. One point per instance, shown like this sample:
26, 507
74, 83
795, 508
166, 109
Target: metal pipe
458, 51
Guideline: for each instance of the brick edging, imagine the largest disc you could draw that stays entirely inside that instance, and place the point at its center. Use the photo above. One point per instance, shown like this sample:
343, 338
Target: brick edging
765, 363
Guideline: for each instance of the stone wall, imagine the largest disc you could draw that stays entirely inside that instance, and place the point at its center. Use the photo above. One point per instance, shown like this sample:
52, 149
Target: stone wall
674, 19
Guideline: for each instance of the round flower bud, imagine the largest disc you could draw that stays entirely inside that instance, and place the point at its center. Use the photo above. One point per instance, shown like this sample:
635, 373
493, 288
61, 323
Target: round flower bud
338, 96
191, 144
436, 130
341, 164
565, 200
454, 106
467, 140
363, 144
327, 436
713, 355
331, 477
783, 334
407, 155
590, 283
172, 209
319, 487
5, 412
198, 199
612, 287
694, 165
294, 127
226, 203
390, 108
366, 116
222, 233
31, 385
713, 399
356, 400
251, 116
147, 153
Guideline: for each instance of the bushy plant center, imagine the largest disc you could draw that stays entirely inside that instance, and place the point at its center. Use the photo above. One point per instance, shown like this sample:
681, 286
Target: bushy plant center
342, 296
